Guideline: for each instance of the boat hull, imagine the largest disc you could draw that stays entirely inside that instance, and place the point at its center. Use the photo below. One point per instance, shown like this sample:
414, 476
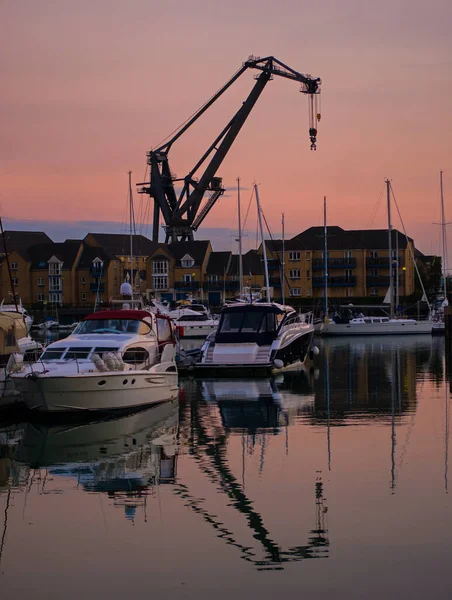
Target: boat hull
101, 392
423, 327
195, 331
250, 359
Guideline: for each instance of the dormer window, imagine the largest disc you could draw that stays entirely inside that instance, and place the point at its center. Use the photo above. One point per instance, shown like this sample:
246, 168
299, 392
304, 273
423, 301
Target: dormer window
187, 261
55, 266
98, 264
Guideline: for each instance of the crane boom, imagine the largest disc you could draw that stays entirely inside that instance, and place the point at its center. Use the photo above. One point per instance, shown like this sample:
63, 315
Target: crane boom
180, 211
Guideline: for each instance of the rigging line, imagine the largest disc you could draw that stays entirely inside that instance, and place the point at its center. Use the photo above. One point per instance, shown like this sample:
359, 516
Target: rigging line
411, 250
275, 249
373, 214
192, 115
248, 210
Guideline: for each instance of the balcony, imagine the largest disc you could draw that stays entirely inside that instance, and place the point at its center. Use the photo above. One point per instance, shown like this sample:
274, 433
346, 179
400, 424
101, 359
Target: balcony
97, 287
344, 281
377, 280
334, 263
378, 263
186, 285
221, 284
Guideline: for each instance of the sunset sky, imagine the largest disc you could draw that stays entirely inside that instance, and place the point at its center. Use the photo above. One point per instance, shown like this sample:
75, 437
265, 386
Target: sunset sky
90, 86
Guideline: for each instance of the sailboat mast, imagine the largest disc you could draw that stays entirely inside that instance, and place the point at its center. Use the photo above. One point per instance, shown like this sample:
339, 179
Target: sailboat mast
283, 295
443, 234
259, 214
240, 238
131, 228
325, 261
10, 275
391, 275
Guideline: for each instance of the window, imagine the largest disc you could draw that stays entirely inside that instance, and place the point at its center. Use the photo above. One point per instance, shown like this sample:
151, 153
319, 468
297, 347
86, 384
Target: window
348, 273
373, 254
15, 281
187, 278
160, 267
55, 284
308, 255
294, 255
83, 280
160, 282
348, 292
14, 266
347, 254
55, 268
212, 278
83, 296
40, 281
374, 272
40, 297
373, 291
295, 291
55, 297
187, 261
294, 274
308, 273
309, 292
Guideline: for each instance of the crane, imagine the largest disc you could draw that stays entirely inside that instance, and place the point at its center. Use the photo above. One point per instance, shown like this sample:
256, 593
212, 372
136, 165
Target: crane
179, 199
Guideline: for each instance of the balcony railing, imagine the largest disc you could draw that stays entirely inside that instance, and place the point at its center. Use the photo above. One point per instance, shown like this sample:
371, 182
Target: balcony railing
377, 280
334, 263
186, 285
346, 281
221, 284
382, 263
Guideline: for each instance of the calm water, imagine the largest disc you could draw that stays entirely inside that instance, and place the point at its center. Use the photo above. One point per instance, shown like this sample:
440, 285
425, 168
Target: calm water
334, 484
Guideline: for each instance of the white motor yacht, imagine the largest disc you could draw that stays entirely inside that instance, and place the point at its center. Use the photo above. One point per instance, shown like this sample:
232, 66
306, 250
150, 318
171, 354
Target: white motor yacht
115, 359
190, 323
258, 338
375, 326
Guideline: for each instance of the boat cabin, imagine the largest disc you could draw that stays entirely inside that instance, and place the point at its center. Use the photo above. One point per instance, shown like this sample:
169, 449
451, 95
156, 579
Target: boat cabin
138, 336
251, 323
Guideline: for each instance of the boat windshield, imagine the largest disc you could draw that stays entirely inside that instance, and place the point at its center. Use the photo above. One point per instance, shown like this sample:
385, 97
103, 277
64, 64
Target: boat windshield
248, 322
112, 326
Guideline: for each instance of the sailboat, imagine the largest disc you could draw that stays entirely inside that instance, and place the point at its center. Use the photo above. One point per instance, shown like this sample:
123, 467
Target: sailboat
257, 337
379, 325
438, 313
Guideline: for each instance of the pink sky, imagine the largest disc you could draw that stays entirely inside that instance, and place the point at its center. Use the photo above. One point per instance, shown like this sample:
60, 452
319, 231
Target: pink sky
89, 86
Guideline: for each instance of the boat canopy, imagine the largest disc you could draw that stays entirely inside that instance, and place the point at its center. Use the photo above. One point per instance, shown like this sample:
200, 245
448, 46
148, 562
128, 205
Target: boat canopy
19, 323
8, 341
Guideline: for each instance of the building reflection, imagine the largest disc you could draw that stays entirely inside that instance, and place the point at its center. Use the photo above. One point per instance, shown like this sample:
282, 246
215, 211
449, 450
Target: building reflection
369, 378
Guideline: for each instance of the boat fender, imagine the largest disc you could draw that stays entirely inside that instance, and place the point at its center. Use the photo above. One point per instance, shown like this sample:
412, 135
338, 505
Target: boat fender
314, 352
278, 364
98, 362
15, 363
120, 364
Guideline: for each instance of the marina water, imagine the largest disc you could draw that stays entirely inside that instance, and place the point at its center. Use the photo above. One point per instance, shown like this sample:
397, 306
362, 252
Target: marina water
333, 483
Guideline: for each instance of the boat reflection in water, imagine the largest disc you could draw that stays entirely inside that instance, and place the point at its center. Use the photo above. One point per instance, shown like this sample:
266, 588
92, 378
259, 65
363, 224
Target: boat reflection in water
221, 410
123, 457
